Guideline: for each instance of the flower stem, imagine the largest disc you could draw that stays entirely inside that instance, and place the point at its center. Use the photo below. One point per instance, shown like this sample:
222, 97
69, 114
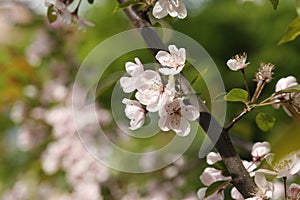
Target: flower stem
246, 83
285, 190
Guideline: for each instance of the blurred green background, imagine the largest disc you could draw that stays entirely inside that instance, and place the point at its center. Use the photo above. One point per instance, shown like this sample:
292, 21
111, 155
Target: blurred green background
34, 53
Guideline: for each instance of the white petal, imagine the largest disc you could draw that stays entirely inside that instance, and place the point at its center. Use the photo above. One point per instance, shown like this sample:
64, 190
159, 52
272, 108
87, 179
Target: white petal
168, 71
128, 84
232, 64
159, 11
163, 58
201, 193
235, 194
184, 128
190, 112
163, 124
212, 158
260, 149
134, 69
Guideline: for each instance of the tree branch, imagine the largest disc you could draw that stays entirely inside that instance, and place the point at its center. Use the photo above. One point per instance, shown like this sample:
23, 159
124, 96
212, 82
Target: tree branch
240, 177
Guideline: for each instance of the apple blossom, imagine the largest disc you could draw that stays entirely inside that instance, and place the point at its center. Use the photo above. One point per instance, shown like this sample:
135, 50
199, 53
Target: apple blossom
211, 175
175, 8
260, 150
153, 93
174, 61
265, 188
283, 84
135, 112
129, 84
293, 192
61, 10
265, 72
285, 167
238, 62
175, 115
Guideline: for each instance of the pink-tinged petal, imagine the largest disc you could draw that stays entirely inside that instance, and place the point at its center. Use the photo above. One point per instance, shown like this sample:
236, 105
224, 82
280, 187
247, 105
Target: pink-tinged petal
232, 64
184, 128
260, 149
159, 11
294, 192
284, 83
134, 69
127, 84
182, 12
211, 175
262, 183
212, 158
168, 71
163, 58
173, 49
250, 166
163, 124
235, 194
201, 193
190, 112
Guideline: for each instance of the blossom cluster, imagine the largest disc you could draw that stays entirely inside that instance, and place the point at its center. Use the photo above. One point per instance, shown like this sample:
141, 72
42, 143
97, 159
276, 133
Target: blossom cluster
60, 9
287, 167
175, 8
289, 100
152, 95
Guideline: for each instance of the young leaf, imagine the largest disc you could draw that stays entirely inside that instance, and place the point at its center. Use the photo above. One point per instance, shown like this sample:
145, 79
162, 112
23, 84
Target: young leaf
126, 4
292, 31
265, 121
51, 14
237, 95
295, 88
274, 3
214, 187
91, 1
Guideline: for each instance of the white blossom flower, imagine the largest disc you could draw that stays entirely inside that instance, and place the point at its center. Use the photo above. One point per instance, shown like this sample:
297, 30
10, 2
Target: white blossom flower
260, 150
238, 62
175, 8
285, 83
265, 188
287, 166
292, 99
293, 192
174, 61
235, 194
61, 10
152, 92
135, 70
175, 115
217, 195
135, 112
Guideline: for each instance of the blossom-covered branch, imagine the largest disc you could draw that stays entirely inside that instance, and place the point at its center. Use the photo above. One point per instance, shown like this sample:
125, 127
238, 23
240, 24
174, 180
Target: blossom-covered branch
240, 177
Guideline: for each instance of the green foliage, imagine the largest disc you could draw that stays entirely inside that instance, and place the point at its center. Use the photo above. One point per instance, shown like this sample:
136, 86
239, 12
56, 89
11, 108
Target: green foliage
292, 31
265, 121
127, 4
237, 95
52, 17
215, 187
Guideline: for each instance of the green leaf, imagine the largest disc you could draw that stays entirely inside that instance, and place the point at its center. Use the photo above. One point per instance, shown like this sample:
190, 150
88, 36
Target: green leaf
126, 4
103, 85
237, 95
265, 121
292, 31
295, 88
274, 3
199, 77
51, 14
91, 1
214, 187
